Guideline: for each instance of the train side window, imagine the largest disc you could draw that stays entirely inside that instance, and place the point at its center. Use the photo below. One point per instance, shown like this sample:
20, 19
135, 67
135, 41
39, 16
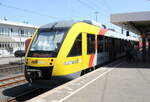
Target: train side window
90, 43
76, 49
100, 40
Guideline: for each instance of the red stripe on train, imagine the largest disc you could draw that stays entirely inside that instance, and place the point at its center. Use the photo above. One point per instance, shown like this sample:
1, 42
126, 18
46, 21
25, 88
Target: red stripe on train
91, 60
96, 44
103, 31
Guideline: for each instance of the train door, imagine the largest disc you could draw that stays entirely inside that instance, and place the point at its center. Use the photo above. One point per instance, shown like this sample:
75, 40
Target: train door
122, 47
106, 49
91, 50
112, 49
74, 58
84, 50
117, 48
102, 55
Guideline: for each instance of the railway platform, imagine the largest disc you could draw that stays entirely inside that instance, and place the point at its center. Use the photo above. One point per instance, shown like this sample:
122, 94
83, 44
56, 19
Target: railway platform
120, 81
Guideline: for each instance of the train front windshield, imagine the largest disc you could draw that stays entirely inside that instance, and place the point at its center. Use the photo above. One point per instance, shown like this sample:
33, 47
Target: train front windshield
46, 43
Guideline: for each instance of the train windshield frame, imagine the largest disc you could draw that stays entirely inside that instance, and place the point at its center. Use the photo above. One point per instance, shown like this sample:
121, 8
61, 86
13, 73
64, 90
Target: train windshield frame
47, 42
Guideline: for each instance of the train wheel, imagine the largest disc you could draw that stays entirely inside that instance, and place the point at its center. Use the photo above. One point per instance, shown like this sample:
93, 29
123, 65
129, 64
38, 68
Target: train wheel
91, 69
85, 71
82, 72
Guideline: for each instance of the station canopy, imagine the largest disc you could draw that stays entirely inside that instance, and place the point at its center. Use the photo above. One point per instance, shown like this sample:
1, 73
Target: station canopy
136, 22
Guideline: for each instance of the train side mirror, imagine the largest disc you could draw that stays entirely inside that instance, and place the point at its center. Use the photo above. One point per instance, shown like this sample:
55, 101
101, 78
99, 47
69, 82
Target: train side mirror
19, 53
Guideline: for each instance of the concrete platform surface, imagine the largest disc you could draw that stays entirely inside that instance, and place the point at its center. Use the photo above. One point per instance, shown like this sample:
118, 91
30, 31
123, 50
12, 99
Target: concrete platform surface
119, 82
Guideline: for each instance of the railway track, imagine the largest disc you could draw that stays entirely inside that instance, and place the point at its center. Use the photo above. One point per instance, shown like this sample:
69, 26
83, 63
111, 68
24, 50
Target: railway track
13, 69
7, 82
10, 67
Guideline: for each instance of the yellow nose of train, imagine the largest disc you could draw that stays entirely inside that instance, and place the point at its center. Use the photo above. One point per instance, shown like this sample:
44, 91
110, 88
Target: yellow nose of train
39, 62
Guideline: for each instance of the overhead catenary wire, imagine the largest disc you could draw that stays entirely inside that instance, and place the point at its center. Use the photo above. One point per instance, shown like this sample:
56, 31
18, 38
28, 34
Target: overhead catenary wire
109, 7
32, 12
26, 10
74, 13
99, 5
88, 5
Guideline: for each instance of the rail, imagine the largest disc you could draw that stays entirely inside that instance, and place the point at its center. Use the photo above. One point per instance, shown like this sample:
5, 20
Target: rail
10, 67
12, 81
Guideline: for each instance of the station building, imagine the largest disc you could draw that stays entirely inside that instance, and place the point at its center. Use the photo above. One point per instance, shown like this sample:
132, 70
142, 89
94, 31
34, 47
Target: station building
13, 36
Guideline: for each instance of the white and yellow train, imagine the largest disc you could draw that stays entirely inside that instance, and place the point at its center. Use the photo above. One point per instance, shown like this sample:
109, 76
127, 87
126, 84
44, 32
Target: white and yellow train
67, 47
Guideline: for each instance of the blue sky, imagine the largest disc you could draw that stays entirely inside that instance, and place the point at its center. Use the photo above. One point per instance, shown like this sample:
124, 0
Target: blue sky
39, 12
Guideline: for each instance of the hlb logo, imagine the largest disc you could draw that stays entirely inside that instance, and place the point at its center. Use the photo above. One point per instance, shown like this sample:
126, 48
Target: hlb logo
34, 61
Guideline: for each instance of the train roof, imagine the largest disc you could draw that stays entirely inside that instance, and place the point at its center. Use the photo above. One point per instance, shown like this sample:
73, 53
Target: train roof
59, 24
69, 23
118, 35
